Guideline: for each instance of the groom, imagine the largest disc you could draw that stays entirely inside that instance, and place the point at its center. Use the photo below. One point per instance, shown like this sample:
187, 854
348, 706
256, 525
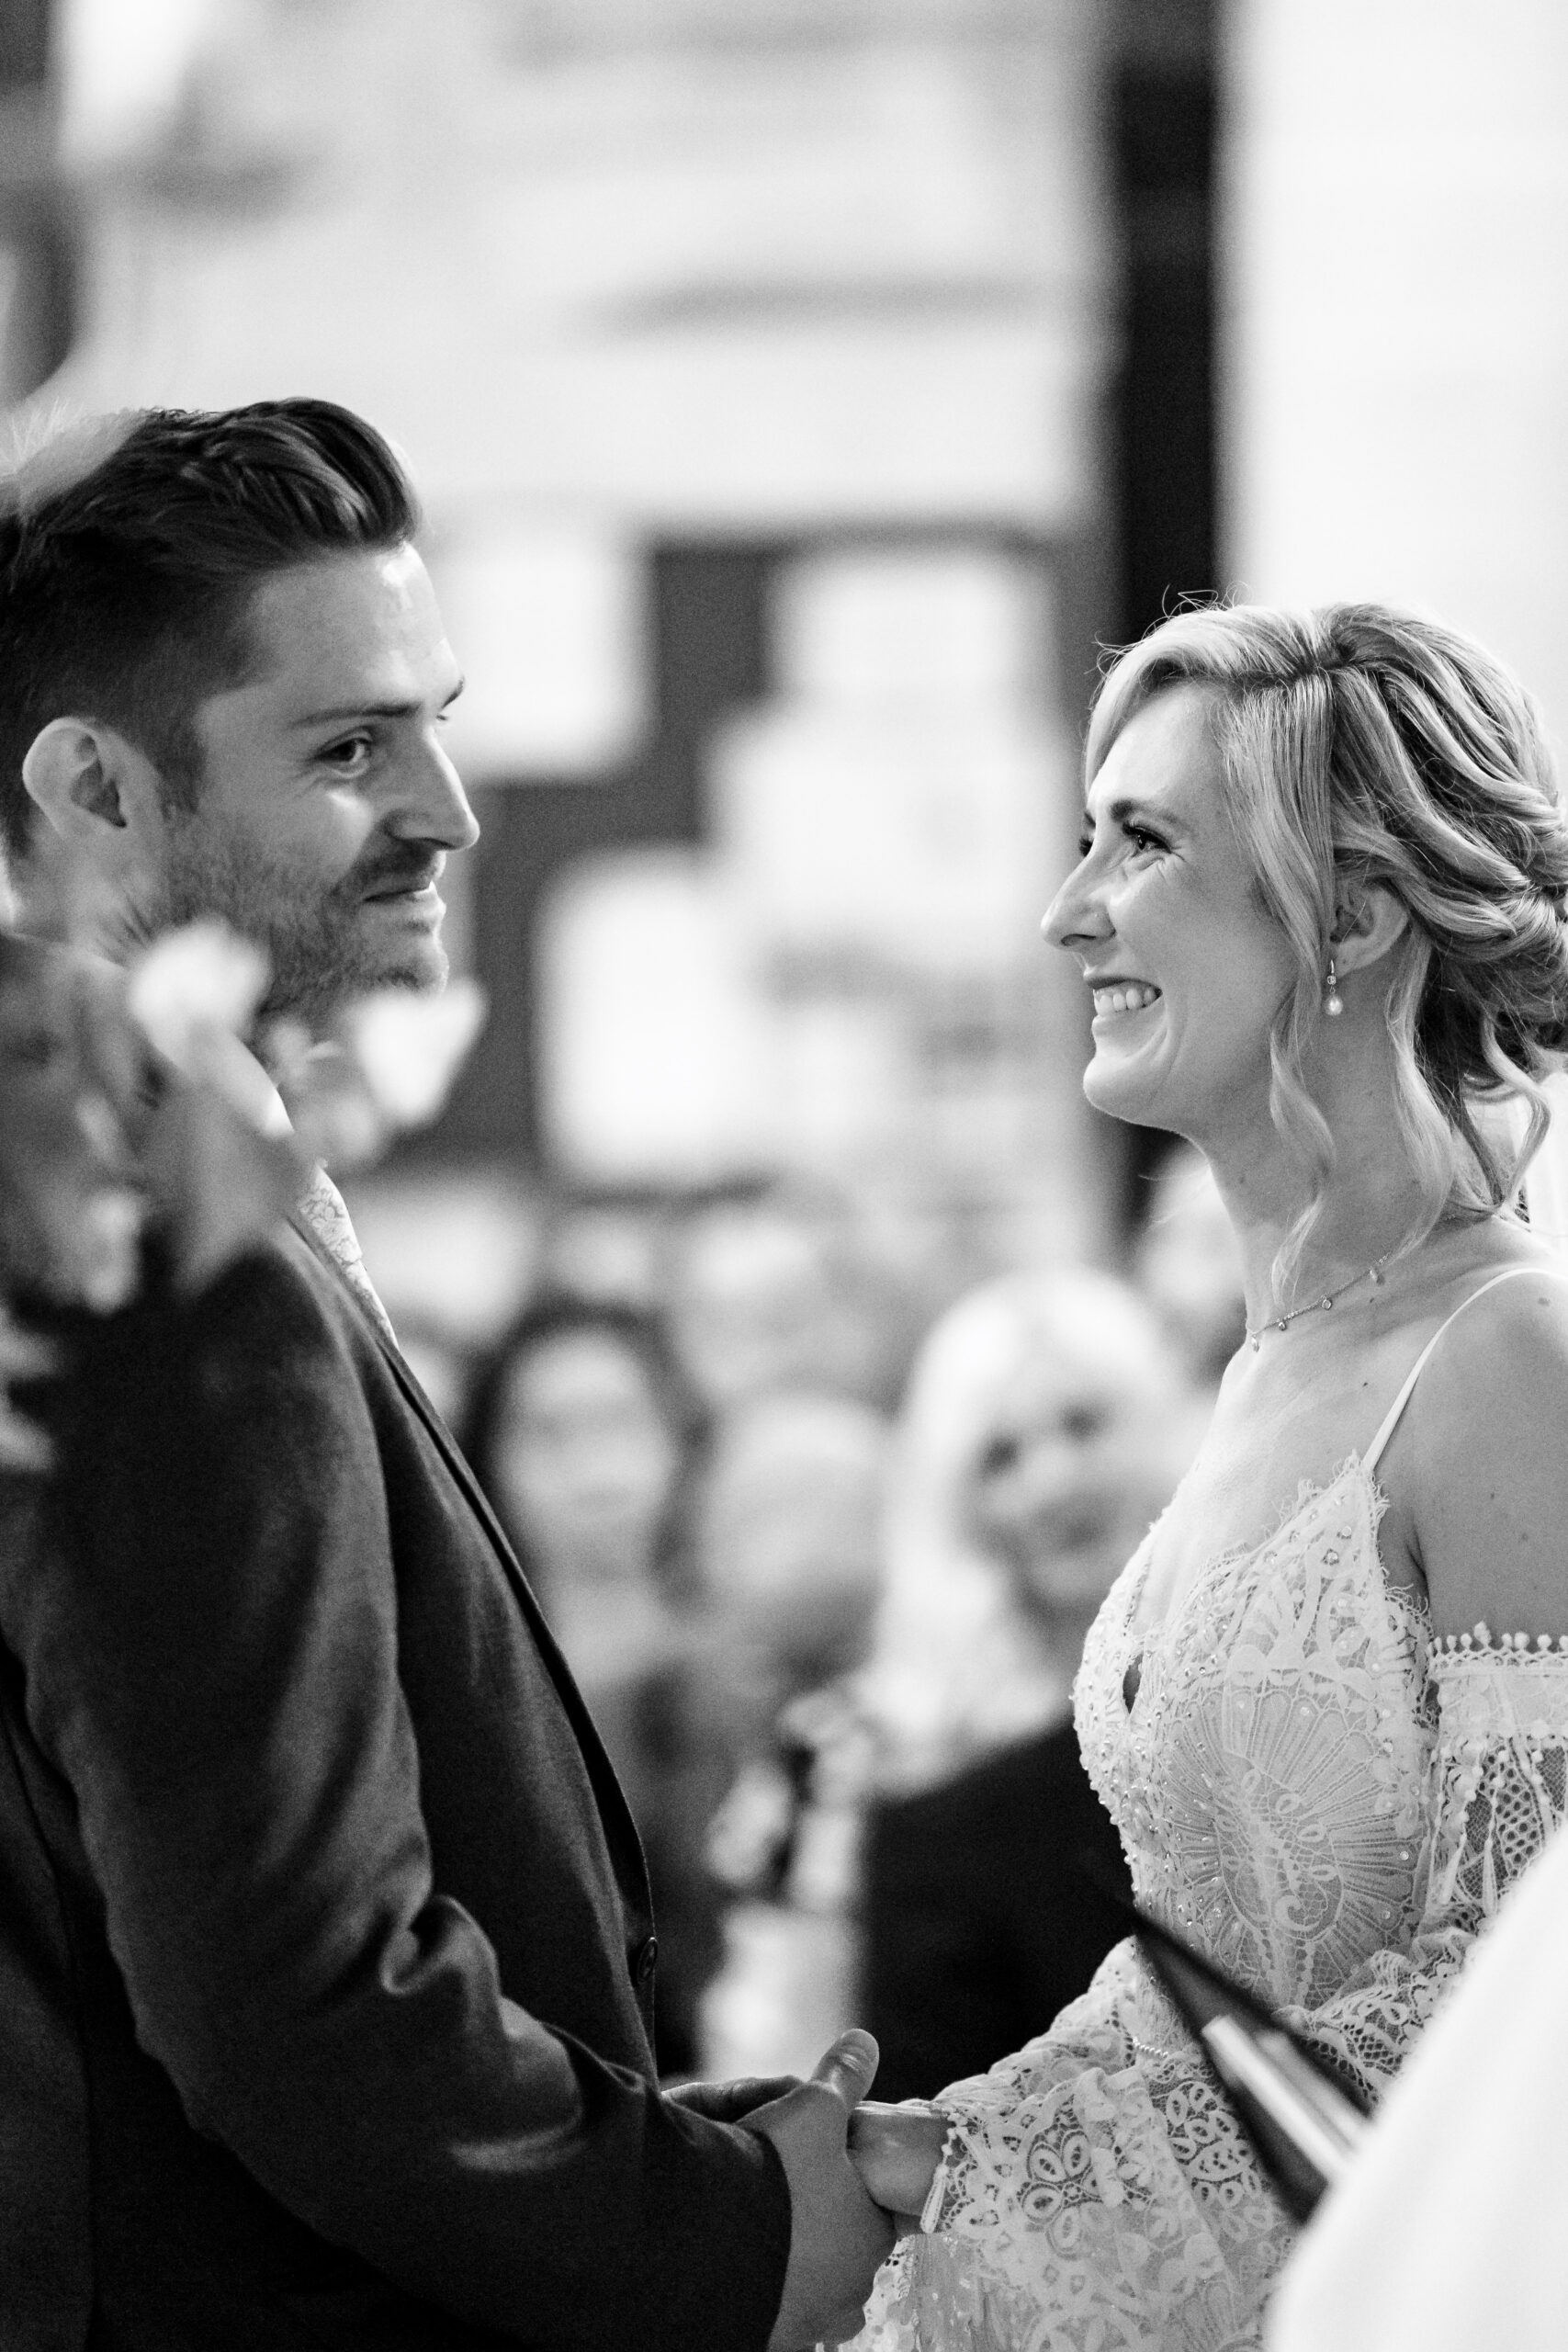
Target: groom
326, 1961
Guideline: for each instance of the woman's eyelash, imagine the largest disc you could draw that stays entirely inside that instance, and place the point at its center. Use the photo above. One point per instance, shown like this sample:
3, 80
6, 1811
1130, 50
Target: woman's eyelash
1139, 836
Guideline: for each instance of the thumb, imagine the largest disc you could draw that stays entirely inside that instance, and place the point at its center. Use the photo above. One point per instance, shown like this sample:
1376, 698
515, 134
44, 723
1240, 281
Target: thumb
848, 2068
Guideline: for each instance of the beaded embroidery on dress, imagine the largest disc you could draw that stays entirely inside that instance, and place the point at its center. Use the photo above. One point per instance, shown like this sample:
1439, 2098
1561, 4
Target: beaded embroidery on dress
1330, 1804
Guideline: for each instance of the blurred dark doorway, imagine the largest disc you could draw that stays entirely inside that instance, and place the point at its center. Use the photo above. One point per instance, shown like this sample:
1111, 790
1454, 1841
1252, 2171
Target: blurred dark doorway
36, 235
1163, 124
1163, 121
709, 656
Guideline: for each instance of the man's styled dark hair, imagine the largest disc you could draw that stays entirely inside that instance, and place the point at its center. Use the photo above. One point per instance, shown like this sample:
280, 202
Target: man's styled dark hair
130, 550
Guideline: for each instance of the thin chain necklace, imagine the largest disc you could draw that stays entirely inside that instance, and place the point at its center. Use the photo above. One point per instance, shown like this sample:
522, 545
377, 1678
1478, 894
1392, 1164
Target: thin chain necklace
1372, 1273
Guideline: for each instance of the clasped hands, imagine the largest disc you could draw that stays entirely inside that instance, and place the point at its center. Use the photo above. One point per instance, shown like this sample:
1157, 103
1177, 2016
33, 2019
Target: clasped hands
857, 2171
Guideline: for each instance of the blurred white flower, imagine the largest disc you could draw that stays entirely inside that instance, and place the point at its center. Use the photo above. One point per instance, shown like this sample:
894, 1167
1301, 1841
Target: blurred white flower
91, 1156
334, 1115
409, 1048
192, 981
193, 995
72, 1197
23, 1356
106, 1257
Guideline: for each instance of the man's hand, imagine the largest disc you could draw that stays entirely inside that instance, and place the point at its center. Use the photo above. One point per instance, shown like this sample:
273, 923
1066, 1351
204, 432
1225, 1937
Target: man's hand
838, 2237
732, 2102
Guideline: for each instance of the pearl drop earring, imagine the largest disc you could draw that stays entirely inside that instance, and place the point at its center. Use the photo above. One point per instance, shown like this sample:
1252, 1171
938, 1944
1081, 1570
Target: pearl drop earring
1333, 1002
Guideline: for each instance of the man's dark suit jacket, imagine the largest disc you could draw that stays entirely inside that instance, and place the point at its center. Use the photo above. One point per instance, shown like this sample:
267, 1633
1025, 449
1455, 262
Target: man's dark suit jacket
325, 1953
977, 1925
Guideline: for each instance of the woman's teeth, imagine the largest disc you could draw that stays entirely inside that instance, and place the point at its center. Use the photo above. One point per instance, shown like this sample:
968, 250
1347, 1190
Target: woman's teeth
1129, 995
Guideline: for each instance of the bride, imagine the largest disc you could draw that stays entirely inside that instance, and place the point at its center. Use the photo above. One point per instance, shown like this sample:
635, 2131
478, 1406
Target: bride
1320, 904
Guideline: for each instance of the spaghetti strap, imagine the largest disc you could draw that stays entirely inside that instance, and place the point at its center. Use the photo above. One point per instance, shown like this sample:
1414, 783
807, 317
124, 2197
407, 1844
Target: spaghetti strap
1391, 1418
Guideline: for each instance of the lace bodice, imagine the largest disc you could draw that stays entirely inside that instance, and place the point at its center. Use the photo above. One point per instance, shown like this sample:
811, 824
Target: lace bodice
1328, 1802
1267, 1778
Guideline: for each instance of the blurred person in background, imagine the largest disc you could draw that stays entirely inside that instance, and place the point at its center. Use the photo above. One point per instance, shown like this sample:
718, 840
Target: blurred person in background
603, 1246
1047, 1424
791, 1542
1320, 902
1186, 1262
776, 1289
588, 1442
326, 1934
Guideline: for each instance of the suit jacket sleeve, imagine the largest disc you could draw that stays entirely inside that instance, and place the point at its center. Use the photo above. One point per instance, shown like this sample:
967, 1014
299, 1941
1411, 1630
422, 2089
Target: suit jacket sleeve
211, 1662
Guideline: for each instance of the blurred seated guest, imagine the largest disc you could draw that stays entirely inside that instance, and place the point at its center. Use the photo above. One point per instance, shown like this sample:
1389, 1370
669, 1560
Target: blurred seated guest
1188, 1265
791, 1529
587, 1439
778, 1288
1047, 1424
605, 1245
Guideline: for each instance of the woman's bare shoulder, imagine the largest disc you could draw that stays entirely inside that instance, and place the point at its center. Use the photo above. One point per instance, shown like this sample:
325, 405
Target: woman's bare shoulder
1488, 1453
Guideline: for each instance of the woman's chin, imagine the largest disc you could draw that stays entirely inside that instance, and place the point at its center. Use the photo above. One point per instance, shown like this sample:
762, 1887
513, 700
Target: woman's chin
1113, 1084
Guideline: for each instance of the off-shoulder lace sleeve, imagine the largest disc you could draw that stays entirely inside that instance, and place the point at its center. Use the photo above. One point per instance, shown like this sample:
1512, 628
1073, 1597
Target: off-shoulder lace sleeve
1499, 1785
1095, 2190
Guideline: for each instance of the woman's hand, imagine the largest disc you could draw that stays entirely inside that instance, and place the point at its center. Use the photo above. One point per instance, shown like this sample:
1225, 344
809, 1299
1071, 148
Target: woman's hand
895, 2150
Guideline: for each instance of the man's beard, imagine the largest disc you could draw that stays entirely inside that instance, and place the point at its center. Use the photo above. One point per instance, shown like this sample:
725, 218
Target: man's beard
315, 940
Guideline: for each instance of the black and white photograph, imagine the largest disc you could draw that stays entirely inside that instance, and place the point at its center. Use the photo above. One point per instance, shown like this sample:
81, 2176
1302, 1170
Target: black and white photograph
784, 1175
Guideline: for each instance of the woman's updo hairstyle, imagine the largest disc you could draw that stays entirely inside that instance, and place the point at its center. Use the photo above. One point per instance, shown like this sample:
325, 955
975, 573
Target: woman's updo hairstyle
1360, 745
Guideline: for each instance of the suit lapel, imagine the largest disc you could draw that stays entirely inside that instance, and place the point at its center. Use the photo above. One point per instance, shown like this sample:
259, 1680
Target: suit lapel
606, 1781
612, 1796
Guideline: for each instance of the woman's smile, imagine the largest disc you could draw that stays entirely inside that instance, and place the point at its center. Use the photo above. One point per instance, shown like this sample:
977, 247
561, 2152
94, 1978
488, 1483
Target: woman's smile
1161, 883
1113, 998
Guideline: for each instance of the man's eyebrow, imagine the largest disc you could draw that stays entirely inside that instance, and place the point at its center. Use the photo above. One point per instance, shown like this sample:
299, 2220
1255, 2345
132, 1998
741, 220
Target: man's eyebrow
341, 712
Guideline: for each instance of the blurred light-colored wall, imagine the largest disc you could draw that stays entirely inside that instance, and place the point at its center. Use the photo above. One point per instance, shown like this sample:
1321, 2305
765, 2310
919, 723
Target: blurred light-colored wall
713, 266
831, 276
1394, 280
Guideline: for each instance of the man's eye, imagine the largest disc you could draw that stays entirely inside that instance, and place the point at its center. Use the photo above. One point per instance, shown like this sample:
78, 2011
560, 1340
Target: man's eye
351, 753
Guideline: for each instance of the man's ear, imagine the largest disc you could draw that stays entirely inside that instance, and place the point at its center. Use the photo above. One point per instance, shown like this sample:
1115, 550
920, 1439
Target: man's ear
79, 776
1367, 921
92, 868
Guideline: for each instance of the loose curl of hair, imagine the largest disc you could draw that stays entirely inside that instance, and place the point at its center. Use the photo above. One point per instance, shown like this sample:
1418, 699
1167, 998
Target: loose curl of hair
1360, 745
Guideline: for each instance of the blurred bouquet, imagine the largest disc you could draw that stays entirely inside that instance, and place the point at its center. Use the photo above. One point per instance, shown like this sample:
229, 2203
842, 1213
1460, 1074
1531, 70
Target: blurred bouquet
139, 1122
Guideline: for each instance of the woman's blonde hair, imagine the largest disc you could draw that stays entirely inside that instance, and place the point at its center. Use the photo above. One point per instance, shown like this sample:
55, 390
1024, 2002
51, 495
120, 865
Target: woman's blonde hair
954, 1670
1360, 745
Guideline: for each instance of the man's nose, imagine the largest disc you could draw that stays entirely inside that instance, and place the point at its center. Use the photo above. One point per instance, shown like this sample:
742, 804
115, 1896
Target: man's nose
430, 804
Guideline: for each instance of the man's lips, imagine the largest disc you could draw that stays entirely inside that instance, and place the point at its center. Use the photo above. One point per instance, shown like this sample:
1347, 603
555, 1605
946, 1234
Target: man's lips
404, 885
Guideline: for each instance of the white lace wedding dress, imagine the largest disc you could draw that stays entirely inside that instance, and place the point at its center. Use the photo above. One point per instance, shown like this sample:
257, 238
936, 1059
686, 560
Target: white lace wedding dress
1331, 1804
